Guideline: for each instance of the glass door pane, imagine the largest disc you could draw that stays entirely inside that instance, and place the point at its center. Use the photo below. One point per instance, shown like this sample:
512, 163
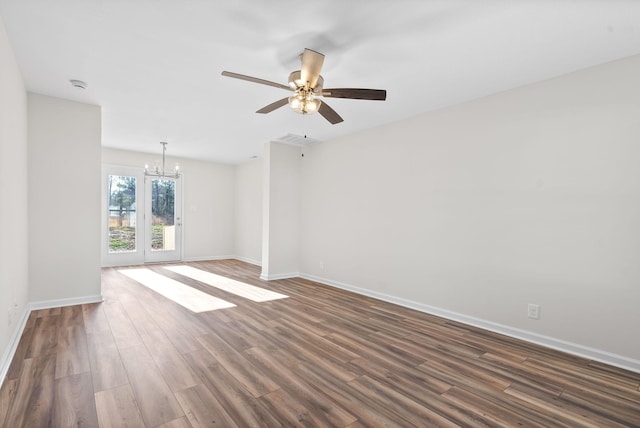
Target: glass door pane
163, 216
162, 219
122, 216
122, 213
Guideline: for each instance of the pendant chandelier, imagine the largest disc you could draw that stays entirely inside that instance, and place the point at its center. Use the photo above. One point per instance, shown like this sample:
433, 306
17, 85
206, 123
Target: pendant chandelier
157, 172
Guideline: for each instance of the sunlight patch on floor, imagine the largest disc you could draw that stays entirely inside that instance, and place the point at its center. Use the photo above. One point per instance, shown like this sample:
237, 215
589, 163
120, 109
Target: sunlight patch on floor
238, 288
182, 294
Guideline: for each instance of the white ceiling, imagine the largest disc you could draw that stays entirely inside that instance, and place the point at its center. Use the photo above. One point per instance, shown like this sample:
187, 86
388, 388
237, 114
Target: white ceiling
154, 65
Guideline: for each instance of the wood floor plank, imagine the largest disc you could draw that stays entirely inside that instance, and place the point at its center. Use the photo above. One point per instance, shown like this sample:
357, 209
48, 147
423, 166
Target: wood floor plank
378, 349
71, 316
229, 332
317, 343
33, 401
445, 341
175, 370
561, 411
577, 377
152, 394
429, 397
202, 409
117, 408
616, 371
620, 411
73, 403
324, 410
44, 338
72, 355
182, 422
48, 312
181, 334
321, 357
289, 410
21, 351
94, 318
371, 357
244, 409
139, 316
367, 411
491, 411
238, 366
107, 370
314, 355
401, 405
7, 393
123, 330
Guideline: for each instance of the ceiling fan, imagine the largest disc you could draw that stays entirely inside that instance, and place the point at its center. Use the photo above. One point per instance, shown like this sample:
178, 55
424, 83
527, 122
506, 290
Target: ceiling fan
307, 85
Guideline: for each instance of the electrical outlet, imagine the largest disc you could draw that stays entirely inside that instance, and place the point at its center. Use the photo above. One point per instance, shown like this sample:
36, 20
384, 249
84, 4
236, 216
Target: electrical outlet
533, 311
321, 265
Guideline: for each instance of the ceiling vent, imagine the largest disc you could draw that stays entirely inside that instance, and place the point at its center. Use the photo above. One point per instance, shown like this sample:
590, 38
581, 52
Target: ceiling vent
296, 140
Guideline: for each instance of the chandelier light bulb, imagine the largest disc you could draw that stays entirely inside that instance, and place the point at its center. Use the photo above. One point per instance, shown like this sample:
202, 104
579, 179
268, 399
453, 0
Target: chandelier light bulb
157, 172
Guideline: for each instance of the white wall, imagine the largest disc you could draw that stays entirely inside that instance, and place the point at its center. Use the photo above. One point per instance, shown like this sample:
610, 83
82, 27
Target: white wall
13, 200
281, 211
64, 199
528, 196
208, 201
248, 211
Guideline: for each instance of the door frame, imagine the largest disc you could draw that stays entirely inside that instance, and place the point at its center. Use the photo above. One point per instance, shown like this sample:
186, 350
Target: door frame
129, 257
163, 256
139, 256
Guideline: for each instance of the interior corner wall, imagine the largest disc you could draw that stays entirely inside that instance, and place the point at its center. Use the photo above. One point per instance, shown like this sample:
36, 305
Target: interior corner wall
64, 199
281, 210
208, 201
14, 274
248, 212
527, 196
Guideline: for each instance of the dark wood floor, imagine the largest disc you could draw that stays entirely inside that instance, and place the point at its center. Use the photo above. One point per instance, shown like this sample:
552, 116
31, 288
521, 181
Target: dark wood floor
322, 357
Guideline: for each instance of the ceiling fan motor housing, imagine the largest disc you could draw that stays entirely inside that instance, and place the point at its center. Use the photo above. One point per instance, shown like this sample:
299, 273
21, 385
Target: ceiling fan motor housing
295, 81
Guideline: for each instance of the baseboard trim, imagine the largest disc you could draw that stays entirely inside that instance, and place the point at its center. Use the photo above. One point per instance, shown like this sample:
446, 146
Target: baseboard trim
33, 306
528, 336
13, 345
204, 259
247, 260
279, 276
58, 303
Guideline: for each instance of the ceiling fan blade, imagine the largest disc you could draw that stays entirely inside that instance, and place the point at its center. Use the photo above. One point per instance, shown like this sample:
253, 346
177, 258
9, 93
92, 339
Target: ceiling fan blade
329, 113
271, 107
356, 94
255, 80
311, 66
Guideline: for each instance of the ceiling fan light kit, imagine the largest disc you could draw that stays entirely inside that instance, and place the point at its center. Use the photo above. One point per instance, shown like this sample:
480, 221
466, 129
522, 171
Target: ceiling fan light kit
304, 103
305, 99
307, 85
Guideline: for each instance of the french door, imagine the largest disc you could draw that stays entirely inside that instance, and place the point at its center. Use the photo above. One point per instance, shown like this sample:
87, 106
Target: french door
142, 219
163, 220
